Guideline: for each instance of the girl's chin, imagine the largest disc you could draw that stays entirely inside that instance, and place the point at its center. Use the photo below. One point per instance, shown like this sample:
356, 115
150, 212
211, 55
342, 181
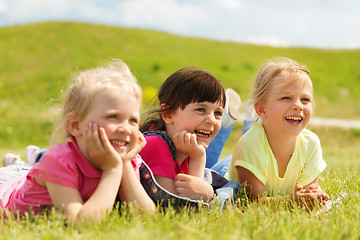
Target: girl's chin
121, 151
205, 141
122, 154
204, 144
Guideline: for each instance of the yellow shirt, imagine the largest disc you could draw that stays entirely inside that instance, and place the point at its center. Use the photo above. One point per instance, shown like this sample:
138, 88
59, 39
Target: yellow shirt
253, 152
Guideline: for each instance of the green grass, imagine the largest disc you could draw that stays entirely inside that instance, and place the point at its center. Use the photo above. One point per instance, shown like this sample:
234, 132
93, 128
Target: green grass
244, 222
37, 59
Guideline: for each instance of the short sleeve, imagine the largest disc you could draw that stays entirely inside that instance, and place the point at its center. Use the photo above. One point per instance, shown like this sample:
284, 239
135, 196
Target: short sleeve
54, 168
249, 154
157, 155
136, 163
313, 162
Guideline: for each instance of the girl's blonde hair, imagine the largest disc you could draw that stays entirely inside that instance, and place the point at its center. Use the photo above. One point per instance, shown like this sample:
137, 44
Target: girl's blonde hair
270, 71
79, 97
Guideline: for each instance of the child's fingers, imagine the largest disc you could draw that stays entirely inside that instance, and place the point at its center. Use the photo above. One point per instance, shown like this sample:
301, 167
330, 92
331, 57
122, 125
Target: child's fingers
181, 187
104, 139
193, 139
175, 139
90, 137
298, 187
137, 148
323, 198
182, 137
180, 191
142, 140
189, 138
180, 184
326, 197
95, 138
181, 177
178, 138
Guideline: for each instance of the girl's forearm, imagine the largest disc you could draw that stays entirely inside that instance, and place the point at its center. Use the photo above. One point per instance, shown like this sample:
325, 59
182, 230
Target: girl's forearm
102, 200
197, 167
131, 190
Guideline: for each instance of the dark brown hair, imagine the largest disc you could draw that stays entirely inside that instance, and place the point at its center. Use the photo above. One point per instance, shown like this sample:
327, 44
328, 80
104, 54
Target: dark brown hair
184, 86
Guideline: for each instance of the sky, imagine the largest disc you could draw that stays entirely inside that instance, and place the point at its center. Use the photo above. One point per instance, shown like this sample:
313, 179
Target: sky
331, 24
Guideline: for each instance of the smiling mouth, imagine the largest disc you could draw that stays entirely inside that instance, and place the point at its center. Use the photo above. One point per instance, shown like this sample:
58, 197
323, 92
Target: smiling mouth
118, 143
294, 119
202, 133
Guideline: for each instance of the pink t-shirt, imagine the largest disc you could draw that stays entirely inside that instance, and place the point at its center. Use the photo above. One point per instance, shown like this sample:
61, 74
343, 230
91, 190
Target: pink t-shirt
64, 165
157, 155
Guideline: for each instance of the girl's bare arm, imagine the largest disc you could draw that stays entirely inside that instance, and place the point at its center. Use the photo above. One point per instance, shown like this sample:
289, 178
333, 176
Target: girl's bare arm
101, 202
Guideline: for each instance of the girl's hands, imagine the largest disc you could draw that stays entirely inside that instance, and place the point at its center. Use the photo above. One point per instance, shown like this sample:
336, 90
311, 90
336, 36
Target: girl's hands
186, 143
310, 197
193, 187
137, 148
102, 155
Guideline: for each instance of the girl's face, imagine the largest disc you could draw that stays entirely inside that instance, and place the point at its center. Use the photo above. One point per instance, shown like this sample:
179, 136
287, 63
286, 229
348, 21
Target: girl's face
288, 108
201, 118
118, 114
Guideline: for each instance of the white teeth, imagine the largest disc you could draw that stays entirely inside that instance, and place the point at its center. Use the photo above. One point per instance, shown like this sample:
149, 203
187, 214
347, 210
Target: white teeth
202, 131
118, 143
294, 118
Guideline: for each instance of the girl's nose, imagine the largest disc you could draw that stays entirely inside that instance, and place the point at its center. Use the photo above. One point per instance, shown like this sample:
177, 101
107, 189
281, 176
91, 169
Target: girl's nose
298, 105
211, 119
124, 128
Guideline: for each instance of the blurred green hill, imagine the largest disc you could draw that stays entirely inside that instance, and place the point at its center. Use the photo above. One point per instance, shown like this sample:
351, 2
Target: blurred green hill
37, 59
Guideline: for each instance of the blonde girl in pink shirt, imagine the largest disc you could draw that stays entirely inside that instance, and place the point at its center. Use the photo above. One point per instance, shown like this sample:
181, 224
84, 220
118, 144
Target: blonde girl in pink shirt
82, 176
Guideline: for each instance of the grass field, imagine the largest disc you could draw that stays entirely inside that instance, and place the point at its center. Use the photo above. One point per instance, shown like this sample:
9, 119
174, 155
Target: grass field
37, 59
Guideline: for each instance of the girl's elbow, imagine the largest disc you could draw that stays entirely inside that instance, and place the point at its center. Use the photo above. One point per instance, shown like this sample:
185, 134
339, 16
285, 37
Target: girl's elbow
95, 216
149, 208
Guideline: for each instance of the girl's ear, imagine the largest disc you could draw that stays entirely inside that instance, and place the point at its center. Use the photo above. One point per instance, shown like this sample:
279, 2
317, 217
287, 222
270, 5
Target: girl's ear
165, 115
73, 125
259, 109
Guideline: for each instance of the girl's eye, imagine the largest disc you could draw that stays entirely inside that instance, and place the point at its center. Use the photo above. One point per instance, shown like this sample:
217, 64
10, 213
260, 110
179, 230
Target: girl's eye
112, 117
218, 113
305, 100
285, 98
200, 109
133, 121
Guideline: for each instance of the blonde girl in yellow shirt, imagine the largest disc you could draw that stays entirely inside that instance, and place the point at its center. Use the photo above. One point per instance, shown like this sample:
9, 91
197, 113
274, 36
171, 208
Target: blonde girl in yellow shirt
278, 157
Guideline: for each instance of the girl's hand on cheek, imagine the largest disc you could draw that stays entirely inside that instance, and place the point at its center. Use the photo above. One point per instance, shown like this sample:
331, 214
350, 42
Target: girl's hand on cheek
99, 149
186, 143
137, 148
